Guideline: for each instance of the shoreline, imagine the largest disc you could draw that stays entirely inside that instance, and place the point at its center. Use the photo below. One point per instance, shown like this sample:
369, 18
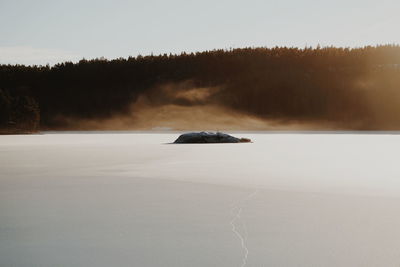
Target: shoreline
383, 132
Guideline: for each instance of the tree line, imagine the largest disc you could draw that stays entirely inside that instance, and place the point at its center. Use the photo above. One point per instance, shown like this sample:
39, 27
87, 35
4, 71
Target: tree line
357, 88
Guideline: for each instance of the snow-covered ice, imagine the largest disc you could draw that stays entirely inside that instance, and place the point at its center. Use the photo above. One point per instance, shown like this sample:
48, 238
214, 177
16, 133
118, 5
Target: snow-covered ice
132, 199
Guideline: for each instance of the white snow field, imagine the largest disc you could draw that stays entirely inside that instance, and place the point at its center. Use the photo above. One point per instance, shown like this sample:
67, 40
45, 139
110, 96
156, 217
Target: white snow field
131, 199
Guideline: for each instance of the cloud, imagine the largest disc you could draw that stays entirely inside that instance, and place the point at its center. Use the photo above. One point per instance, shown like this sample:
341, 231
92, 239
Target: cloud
28, 55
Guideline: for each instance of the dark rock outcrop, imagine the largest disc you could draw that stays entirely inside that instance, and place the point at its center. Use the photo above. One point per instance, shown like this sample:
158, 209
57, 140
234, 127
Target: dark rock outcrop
208, 137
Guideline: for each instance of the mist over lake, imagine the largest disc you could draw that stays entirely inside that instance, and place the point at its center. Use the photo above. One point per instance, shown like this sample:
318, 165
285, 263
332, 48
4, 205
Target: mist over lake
101, 199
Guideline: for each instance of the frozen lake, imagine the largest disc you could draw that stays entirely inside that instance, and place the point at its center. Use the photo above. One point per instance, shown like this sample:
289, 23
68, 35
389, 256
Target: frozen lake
131, 199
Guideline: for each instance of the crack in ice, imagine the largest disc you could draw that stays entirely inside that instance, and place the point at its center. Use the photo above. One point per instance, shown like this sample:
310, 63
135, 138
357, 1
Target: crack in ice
236, 212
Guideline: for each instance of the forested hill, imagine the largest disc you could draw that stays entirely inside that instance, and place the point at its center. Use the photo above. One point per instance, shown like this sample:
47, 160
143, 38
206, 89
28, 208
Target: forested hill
349, 88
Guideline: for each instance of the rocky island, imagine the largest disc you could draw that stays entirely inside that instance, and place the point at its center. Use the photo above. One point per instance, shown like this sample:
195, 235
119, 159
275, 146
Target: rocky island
208, 137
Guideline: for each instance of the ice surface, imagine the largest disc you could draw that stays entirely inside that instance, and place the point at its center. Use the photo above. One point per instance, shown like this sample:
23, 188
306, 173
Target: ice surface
133, 200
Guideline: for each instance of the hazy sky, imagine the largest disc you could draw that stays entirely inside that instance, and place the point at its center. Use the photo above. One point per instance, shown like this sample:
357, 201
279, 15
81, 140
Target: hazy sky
50, 31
